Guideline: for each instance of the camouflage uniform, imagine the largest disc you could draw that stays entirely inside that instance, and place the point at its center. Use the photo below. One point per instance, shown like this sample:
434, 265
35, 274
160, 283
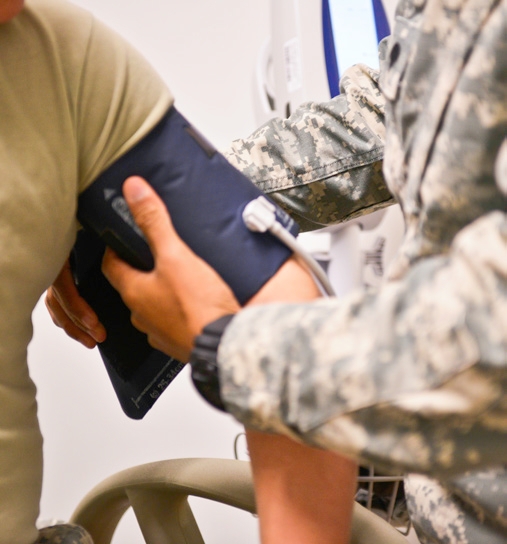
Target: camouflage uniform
64, 534
413, 375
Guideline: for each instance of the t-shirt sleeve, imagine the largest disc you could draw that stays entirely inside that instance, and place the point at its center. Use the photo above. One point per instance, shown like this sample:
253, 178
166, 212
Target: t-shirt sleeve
120, 98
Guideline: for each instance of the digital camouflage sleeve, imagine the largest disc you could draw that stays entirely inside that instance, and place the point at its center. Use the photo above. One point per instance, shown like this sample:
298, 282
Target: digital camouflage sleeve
412, 376
323, 165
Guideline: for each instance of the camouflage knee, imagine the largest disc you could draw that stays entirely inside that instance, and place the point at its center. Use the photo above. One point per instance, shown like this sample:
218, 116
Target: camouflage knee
64, 534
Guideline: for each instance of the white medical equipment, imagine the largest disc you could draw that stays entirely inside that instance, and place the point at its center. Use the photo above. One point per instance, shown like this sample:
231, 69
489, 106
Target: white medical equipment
310, 46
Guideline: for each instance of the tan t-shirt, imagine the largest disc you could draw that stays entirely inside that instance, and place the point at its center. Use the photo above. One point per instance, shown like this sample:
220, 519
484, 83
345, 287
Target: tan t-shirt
74, 97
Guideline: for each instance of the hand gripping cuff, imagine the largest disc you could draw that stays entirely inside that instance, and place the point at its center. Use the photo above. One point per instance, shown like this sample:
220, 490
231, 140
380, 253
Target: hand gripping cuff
205, 196
203, 361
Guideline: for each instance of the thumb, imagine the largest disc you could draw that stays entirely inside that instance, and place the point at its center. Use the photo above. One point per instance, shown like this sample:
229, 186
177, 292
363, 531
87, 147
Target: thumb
117, 272
149, 213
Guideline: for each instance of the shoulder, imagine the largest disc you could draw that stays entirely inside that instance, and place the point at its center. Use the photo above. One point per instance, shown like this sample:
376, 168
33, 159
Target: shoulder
58, 18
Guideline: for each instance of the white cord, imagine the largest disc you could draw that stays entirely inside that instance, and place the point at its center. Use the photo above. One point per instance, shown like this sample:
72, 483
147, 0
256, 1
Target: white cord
259, 215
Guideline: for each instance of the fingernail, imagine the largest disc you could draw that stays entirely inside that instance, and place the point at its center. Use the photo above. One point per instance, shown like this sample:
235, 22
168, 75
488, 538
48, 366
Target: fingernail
137, 190
92, 327
99, 336
89, 322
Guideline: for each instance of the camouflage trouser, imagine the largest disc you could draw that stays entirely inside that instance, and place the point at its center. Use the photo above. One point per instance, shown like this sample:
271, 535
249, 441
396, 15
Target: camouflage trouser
468, 510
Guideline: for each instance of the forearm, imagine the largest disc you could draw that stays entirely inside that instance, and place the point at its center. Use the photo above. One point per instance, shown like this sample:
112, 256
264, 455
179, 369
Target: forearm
303, 494
362, 375
323, 165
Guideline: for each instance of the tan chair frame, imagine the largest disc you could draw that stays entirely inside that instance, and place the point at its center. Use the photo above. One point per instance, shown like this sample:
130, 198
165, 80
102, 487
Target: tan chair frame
158, 494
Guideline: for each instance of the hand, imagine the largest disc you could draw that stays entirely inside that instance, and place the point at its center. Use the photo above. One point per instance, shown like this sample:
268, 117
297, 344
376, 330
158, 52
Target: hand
173, 302
71, 312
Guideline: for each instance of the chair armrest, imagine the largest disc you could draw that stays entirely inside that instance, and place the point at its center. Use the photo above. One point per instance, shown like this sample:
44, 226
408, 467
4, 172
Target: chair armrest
158, 494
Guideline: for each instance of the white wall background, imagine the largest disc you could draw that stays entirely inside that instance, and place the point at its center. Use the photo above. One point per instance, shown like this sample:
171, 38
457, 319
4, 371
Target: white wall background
206, 52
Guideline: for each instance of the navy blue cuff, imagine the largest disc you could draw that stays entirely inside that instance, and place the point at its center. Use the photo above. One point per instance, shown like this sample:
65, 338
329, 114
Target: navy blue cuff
205, 196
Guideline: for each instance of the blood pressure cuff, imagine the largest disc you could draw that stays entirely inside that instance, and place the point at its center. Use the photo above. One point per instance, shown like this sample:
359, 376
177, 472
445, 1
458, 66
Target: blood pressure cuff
205, 196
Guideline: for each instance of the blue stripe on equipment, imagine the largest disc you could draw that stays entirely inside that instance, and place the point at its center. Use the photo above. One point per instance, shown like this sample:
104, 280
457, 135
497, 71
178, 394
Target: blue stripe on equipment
351, 31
